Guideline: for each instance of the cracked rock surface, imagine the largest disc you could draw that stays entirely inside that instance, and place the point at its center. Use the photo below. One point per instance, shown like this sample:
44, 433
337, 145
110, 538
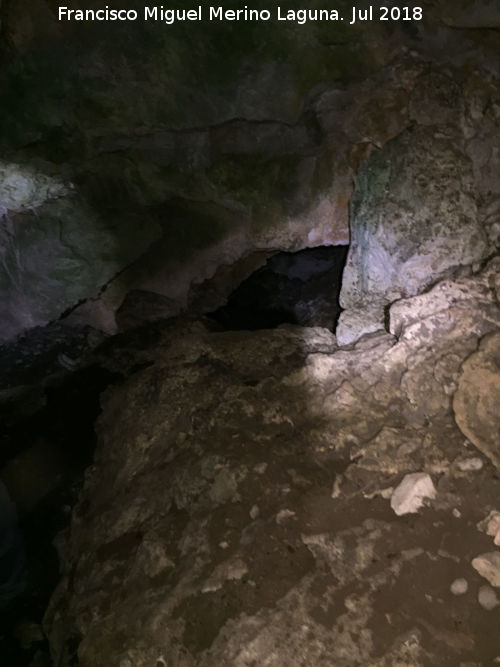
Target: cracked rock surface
238, 509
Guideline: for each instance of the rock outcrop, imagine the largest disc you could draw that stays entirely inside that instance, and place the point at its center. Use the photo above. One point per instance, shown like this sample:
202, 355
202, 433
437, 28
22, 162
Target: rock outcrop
238, 510
413, 219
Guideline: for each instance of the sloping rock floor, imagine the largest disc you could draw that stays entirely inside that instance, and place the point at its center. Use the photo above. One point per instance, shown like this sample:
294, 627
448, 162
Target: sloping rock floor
238, 510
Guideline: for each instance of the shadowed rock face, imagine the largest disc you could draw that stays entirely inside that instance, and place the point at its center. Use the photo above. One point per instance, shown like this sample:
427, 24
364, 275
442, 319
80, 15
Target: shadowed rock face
12, 562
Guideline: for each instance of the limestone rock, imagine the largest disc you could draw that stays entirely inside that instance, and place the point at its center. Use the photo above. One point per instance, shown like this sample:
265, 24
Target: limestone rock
408, 497
45, 253
356, 322
488, 566
472, 464
445, 294
459, 587
24, 188
487, 598
491, 526
477, 400
398, 249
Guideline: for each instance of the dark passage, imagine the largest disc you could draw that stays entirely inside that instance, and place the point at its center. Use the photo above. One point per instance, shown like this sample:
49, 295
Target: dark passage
47, 437
295, 288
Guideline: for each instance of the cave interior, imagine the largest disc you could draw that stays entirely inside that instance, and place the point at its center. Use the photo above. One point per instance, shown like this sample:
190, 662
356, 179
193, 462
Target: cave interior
250, 340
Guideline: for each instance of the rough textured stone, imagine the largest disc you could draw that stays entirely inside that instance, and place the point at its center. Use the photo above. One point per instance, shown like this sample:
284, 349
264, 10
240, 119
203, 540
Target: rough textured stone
24, 188
491, 526
477, 400
399, 248
58, 254
410, 494
166, 558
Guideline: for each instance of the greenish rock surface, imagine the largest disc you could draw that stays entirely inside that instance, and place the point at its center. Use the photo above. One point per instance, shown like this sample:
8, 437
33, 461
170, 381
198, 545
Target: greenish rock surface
414, 218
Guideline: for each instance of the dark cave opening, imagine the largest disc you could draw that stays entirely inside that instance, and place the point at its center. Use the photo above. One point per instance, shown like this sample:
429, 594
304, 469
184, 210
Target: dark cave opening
291, 288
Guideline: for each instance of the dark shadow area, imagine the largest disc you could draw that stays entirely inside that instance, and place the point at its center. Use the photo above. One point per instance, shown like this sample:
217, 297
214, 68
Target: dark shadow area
292, 288
48, 439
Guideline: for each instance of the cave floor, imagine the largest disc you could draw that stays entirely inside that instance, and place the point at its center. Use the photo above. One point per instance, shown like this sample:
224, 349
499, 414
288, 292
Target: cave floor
239, 510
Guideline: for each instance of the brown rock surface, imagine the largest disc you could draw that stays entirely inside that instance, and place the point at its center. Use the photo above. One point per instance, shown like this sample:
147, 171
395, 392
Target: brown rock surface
477, 400
238, 508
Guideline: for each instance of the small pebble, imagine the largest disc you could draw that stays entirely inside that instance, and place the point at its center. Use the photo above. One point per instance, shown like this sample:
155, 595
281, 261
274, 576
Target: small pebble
467, 465
459, 587
457, 513
488, 566
487, 598
254, 512
284, 515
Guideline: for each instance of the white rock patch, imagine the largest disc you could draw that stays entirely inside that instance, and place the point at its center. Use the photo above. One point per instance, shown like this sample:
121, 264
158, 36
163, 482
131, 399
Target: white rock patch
469, 465
491, 526
488, 566
409, 495
459, 587
487, 598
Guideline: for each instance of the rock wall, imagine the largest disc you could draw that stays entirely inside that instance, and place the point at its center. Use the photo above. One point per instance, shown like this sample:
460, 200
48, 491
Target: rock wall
426, 204
414, 219
179, 160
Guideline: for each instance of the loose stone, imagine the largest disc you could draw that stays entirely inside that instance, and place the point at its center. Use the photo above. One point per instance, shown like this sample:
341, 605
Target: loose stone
488, 566
491, 526
472, 464
487, 598
459, 587
409, 496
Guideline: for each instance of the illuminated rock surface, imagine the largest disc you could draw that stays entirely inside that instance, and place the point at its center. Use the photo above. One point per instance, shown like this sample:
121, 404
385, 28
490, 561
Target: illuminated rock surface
167, 557
477, 400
